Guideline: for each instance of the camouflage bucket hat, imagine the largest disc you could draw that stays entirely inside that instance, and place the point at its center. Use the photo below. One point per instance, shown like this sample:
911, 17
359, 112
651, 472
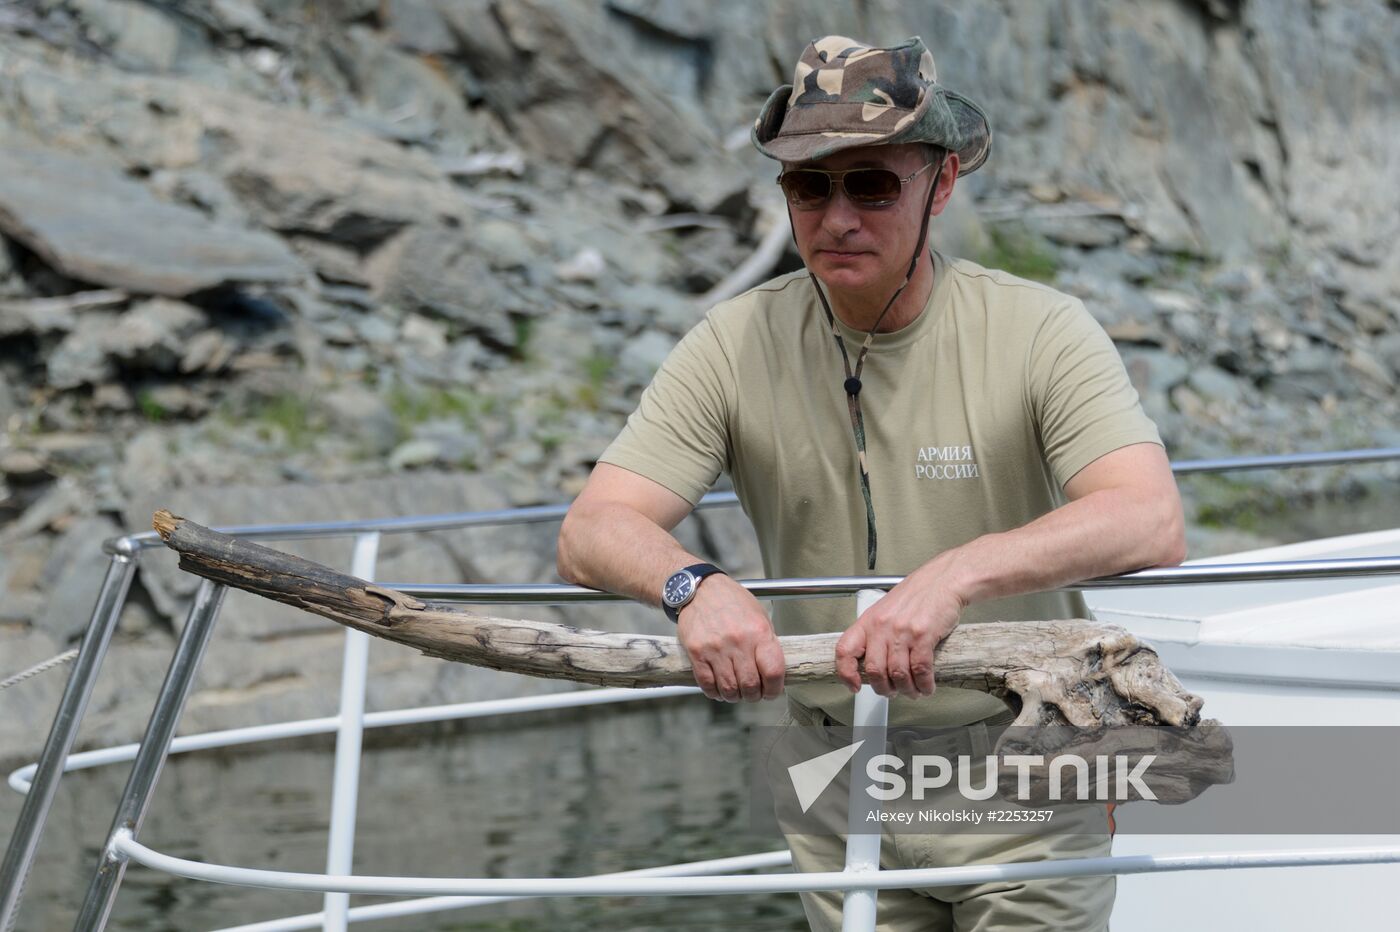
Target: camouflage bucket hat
845, 94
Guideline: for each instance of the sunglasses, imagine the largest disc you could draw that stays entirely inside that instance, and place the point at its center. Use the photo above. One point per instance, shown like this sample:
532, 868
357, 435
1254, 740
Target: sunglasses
867, 188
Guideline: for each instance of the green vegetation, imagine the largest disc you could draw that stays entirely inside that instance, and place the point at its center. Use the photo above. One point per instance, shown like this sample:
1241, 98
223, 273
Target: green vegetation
524, 331
552, 426
1020, 252
597, 369
285, 417
1222, 502
412, 406
151, 409
1185, 266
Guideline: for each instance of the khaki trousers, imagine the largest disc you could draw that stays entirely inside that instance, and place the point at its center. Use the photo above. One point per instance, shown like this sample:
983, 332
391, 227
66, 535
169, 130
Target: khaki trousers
1080, 904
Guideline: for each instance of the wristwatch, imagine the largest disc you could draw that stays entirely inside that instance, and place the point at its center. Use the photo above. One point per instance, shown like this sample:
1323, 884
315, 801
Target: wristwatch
680, 588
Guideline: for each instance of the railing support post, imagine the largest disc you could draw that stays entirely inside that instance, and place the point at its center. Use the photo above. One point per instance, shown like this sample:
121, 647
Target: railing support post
862, 846
24, 843
340, 854
150, 758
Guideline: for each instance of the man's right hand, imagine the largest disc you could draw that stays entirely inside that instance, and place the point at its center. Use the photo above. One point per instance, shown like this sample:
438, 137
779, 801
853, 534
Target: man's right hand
731, 643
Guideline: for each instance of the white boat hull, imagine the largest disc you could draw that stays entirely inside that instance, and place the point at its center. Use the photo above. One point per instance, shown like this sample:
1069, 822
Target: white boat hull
1302, 653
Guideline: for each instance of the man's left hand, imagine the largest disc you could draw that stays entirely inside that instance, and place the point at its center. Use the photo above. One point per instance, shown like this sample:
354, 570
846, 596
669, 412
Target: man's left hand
898, 635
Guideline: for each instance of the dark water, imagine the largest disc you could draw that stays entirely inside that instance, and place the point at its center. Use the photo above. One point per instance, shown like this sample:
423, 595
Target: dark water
561, 794
1259, 519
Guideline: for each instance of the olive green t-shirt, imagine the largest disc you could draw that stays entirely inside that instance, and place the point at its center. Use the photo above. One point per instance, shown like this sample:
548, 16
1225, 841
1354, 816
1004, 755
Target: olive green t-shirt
976, 414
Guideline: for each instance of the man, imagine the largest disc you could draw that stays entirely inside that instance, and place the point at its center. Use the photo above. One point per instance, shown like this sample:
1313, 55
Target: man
888, 411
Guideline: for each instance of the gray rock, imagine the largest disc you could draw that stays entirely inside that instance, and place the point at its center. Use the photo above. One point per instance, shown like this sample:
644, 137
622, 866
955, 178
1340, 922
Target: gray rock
113, 397
417, 25
1170, 302
1371, 313
479, 35
415, 453
81, 358
134, 32
1308, 374
1237, 281
23, 467
332, 262
507, 246
90, 223
1084, 232
1388, 349
668, 309
153, 334
355, 411
21, 577
10, 281
146, 463
209, 351
75, 449
351, 10
374, 329
53, 315
1133, 267
1154, 371
1368, 366
352, 296
959, 230
1189, 328
641, 357
586, 265
423, 336
526, 455
1315, 96
200, 190
456, 443
1214, 385
56, 506
435, 271
173, 400
405, 94
244, 18
9, 401
630, 124
72, 577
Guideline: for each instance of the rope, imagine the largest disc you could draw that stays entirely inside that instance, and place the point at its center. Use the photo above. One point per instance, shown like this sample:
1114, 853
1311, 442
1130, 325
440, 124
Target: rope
38, 668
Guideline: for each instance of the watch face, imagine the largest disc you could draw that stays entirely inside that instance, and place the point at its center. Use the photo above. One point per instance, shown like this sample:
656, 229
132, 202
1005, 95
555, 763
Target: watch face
678, 589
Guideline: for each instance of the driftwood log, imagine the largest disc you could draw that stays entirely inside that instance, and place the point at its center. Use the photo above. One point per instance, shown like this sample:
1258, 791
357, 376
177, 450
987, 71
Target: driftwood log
1054, 673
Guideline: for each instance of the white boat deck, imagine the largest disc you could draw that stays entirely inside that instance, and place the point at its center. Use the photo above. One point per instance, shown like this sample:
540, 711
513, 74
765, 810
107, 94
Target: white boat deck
1317, 652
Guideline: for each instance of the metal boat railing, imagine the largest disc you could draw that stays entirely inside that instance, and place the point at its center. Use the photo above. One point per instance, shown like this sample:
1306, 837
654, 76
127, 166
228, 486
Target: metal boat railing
861, 878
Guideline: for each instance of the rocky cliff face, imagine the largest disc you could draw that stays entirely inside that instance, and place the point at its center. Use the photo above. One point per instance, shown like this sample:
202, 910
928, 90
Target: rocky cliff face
340, 255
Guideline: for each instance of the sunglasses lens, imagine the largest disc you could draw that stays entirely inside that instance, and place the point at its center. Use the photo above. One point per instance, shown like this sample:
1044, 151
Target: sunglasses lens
806, 189
873, 187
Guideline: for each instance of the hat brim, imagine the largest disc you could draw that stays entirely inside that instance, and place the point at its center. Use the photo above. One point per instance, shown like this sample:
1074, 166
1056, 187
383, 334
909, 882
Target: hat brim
973, 148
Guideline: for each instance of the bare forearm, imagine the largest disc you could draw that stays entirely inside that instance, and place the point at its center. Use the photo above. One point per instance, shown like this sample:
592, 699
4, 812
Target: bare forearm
1107, 532
1124, 514
617, 548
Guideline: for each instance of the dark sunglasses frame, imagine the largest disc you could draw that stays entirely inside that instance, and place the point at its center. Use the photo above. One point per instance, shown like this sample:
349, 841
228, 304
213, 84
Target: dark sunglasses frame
837, 179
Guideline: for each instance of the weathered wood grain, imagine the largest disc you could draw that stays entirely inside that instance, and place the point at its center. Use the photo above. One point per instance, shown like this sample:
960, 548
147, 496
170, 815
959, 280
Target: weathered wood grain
1055, 672
1070, 681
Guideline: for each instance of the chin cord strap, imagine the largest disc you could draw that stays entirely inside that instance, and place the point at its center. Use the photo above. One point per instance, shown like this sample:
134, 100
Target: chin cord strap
853, 384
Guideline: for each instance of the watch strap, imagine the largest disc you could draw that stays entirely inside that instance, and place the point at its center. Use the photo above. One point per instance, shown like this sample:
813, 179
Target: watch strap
699, 571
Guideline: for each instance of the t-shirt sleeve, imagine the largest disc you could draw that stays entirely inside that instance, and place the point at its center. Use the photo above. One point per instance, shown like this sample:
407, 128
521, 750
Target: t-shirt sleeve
679, 434
1080, 395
